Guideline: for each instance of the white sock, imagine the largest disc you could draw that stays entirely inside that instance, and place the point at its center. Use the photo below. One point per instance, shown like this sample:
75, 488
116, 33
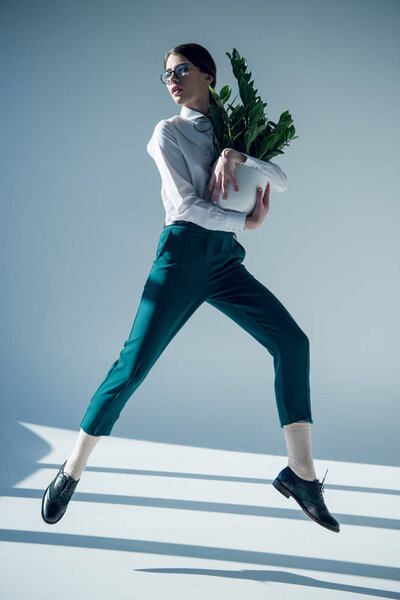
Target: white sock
298, 442
80, 454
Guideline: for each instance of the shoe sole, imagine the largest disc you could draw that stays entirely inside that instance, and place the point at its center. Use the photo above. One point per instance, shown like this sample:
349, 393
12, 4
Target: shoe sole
286, 492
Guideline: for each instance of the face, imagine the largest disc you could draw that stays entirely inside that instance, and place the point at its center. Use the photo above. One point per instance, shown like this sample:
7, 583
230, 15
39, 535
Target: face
193, 86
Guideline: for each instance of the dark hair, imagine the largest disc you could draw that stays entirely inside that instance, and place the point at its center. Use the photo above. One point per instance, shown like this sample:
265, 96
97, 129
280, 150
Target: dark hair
200, 57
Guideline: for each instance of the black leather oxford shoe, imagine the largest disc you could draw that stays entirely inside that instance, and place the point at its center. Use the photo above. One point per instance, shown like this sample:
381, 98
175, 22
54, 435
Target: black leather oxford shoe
57, 495
308, 494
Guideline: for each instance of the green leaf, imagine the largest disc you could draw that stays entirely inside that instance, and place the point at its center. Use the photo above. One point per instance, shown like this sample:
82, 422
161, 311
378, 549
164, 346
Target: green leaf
245, 126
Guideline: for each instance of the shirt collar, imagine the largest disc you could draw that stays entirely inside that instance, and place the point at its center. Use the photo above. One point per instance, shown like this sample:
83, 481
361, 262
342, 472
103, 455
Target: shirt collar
189, 113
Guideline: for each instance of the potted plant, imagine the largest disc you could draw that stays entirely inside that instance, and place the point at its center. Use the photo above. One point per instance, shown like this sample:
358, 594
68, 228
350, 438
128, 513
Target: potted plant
246, 128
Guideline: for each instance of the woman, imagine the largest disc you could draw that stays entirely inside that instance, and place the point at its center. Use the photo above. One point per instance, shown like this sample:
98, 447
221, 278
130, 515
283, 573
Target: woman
198, 260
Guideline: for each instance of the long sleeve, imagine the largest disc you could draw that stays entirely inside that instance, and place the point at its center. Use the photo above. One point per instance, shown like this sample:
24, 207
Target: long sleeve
274, 174
164, 149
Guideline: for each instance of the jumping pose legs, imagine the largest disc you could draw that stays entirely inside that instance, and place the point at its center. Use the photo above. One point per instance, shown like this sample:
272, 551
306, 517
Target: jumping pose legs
193, 265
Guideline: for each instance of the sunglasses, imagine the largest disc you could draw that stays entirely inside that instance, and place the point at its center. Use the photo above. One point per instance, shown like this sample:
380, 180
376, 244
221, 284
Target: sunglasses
180, 71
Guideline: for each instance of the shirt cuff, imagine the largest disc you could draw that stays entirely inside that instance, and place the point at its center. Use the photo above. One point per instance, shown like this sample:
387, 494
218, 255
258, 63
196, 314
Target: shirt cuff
249, 162
235, 220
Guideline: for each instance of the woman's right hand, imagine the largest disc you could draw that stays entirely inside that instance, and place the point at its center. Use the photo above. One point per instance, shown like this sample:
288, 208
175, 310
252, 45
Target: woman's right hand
260, 210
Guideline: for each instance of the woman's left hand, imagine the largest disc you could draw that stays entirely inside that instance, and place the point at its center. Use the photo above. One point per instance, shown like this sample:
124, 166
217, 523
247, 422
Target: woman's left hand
223, 171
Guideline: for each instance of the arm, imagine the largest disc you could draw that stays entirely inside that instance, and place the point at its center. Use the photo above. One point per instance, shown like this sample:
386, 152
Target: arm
164, 149
274, 174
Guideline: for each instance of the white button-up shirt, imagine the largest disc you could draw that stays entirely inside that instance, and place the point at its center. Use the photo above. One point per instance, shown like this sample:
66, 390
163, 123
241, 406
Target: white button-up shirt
182, 155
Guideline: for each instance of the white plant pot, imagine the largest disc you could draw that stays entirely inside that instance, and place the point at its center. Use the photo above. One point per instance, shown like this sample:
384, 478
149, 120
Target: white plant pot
244, 201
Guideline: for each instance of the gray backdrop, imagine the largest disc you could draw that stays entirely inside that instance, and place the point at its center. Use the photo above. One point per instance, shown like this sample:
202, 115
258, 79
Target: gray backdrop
82, 212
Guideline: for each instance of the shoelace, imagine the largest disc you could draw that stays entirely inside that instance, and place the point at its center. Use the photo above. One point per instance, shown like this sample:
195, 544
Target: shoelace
68, 479
322, 488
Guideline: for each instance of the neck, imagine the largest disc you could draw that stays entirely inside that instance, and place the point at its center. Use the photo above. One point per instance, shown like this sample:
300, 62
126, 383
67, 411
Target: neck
203, 107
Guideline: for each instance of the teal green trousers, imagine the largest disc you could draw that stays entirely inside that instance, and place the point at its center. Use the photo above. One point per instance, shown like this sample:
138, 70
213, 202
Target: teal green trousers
193, 265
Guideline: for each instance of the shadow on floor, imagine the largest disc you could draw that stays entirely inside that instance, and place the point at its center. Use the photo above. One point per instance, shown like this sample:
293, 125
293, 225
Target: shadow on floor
225, 554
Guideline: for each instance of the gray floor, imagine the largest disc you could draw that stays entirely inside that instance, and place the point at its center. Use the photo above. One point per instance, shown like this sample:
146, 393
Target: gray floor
151, 520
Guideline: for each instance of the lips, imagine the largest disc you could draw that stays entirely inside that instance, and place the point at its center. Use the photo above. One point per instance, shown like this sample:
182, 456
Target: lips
176, 89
